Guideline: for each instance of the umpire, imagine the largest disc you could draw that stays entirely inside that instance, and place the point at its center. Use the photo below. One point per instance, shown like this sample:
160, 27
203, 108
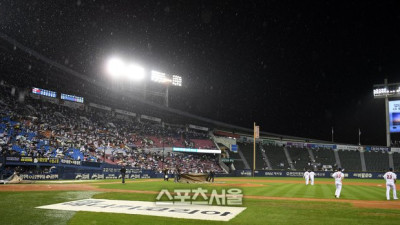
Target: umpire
123, 171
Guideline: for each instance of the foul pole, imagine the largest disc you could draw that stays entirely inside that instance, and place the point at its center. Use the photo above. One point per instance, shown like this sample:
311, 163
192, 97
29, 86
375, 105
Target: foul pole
256, 134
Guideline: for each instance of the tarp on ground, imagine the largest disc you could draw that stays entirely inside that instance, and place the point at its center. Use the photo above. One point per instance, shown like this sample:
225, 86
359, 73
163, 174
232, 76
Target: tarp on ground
193, 178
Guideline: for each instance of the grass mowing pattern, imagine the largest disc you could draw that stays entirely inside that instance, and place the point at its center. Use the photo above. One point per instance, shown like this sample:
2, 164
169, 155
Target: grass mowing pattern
290, 190
257, 212
19, 207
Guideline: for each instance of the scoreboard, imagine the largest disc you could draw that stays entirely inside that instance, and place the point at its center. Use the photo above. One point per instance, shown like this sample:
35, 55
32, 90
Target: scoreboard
44, 92
71, 98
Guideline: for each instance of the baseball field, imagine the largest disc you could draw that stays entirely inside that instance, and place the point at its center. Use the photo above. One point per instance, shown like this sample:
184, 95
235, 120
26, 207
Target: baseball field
266, 201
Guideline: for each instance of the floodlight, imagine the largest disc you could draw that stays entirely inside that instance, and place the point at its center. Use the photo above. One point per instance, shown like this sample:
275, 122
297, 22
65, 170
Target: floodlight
159, 77
115, 67
134, 72
176, 80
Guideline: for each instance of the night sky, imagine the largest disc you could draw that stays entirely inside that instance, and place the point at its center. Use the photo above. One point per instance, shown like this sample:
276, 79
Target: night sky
294, 67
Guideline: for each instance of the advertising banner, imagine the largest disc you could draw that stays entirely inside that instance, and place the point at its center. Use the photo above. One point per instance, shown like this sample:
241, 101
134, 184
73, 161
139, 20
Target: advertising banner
394, 116
123, 112
376, 148
349, 147
151, 118
28, 159
198, 127
99, 106
327, 174
71, 162
39, 176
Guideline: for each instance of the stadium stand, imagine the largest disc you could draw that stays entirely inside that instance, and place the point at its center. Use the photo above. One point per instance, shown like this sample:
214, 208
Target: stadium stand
247, 150
238, 162
350, 160
300, 157
396, 161
376, 160
36, 128
324, 156
276, 156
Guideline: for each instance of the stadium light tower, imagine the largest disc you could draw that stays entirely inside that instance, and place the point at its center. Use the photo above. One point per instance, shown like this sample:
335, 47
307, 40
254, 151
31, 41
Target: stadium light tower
162, 78
387, 91
120, 71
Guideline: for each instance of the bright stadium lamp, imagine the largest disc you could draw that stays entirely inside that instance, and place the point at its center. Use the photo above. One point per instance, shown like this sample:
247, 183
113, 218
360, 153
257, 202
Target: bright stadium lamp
134, 72
115, 67
159, 77
176, 80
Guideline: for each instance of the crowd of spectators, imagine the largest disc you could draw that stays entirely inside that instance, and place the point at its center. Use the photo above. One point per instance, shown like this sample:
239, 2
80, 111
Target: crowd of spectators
37, 128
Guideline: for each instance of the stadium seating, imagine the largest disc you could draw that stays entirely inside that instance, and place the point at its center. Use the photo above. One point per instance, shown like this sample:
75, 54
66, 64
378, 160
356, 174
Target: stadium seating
396, 161
276, 156
324, 156
376, 161
299, 156
38, 128
350, 160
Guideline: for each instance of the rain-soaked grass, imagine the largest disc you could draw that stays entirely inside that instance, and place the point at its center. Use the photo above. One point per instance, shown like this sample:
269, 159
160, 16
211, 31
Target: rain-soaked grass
19, 207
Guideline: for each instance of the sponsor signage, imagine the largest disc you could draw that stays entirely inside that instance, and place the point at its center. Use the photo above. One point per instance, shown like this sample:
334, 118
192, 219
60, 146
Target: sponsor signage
394, 116
327, 174
28, 159
73, 105
44, 92
198, 127
195, 150
295, 144
227, 160
243, 173
234, 148
12, 158
395, 150
197, 212
39, 176
377, 148
71, 162
308, 145
123, 112
349, 147
151, 118
267, 141
71, 98
94, 105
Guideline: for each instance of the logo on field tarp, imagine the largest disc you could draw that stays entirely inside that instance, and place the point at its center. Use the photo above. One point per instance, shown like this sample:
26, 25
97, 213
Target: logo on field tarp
199, 212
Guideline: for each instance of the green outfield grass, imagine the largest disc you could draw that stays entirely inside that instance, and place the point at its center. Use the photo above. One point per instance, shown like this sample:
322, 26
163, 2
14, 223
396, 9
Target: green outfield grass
19, 207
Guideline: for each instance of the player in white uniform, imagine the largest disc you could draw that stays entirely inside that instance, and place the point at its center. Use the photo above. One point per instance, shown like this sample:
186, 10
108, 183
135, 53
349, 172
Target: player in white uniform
311, 174
339, 176
390, 178
306, 176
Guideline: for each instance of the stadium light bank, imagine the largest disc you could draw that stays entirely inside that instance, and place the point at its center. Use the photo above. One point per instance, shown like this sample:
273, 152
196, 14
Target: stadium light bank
120, 70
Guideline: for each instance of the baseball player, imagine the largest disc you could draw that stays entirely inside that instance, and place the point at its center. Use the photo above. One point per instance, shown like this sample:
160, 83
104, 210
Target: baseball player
390, 178
307, 176
311, 174
339, 176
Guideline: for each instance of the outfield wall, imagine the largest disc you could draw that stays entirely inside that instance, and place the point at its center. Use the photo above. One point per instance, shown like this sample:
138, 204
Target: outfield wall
86, 174
74, 169
327, 174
